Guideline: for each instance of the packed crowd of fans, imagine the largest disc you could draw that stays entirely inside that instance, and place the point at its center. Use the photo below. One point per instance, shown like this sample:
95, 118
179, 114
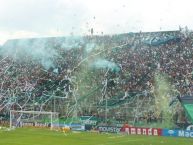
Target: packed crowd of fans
27, 80
141, 62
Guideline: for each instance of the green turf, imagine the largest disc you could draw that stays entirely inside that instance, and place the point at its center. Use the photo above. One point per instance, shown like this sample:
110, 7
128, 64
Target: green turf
29, 136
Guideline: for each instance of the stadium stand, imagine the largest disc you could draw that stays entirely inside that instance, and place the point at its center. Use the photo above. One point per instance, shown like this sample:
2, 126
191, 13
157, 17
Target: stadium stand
47, 70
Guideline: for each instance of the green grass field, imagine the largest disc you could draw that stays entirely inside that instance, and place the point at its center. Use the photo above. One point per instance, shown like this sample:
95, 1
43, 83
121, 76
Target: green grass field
31, 136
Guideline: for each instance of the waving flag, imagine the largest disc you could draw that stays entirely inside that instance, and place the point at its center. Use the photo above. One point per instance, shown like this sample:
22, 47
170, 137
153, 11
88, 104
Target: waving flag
187, 103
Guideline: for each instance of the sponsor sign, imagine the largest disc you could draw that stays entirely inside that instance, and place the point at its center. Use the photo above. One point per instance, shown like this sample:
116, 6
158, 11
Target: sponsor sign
185, 133
147, 131
144, 131
177, 133
132, 130
169, 132
111, 129
33, 124
88, 120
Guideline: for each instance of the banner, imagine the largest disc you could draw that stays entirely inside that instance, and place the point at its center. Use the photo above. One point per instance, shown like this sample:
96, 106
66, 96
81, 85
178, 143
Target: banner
111, 129
142, 131
185, 133
169, 132
177, 133
89, 120
147, 131
187, 103
131, 130
33, 124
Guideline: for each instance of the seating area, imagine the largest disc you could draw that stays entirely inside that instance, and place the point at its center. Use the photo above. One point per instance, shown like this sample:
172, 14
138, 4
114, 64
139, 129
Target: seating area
37, 72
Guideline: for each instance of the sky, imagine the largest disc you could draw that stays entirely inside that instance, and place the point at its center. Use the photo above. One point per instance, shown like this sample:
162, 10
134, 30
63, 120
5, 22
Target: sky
43, 18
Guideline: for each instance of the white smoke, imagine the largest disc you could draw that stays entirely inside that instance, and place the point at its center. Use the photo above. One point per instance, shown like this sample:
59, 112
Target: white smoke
105, 64
36, 49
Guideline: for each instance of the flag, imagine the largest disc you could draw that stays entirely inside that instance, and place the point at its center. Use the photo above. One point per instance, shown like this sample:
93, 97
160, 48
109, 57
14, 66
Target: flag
187, 103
